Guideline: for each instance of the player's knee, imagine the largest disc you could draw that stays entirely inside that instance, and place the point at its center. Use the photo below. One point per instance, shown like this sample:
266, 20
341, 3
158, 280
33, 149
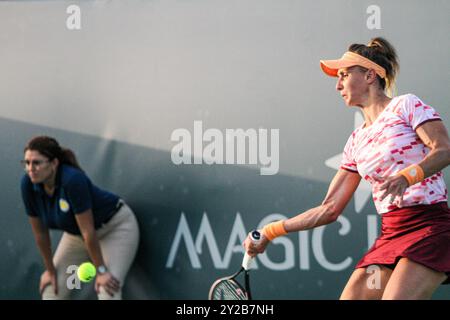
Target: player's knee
348, 295
361, 293
352, 291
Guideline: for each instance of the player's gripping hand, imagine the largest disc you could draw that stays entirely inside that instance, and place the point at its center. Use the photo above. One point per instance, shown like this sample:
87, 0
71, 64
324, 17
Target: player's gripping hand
255, 248
394, 187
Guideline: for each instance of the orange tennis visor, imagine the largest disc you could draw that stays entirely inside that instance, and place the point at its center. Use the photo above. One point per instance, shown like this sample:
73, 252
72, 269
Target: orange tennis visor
350, 59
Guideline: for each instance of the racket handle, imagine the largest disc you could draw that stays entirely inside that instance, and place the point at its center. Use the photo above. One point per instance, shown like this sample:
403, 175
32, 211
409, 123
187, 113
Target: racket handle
255, 235
247, 261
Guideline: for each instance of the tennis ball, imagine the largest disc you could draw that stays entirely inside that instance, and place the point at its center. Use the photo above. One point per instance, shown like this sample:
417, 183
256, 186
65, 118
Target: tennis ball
86, 272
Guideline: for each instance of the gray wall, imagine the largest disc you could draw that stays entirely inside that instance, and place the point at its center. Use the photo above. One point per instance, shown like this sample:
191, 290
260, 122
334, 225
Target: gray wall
117, 89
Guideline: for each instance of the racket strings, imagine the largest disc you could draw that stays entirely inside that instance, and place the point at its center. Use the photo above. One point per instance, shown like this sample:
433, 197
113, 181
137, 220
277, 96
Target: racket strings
228, 290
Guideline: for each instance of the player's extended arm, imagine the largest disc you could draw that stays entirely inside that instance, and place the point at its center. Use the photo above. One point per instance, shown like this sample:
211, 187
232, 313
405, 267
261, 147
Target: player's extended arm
339, 194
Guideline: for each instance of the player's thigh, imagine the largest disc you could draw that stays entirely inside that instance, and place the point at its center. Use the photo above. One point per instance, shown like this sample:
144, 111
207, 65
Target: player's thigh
411, 280
366, 283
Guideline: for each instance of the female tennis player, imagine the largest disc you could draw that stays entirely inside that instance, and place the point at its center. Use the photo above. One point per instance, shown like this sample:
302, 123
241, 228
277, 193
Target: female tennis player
400, 149
97, 225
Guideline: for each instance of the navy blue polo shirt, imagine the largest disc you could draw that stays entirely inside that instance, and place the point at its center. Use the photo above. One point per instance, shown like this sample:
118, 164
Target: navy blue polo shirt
74, 193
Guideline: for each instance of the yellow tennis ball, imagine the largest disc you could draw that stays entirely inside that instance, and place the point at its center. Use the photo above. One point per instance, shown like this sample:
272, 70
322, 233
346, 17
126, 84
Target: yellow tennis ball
86, 272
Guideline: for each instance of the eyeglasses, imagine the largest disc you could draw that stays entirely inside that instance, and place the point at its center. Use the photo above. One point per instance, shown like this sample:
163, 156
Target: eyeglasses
35, 163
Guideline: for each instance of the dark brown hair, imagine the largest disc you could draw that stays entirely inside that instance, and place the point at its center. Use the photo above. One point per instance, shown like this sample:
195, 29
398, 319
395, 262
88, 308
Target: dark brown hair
380, 51
51, 149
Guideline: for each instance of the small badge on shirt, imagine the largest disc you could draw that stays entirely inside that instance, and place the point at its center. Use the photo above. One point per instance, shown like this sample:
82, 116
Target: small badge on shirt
64, 205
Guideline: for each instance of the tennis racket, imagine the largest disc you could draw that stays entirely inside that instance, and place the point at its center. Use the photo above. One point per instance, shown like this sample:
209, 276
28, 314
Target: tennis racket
228, 288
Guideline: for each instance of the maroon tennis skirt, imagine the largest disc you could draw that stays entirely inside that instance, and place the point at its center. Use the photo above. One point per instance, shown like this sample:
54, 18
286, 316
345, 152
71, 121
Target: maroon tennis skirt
420, 233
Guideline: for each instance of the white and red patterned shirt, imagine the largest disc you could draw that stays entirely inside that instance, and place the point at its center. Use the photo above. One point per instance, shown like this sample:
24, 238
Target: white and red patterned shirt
391, 144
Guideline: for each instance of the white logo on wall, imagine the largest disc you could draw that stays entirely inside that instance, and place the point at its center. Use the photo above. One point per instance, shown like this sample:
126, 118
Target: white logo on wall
310, 244
235, 146
364, 191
